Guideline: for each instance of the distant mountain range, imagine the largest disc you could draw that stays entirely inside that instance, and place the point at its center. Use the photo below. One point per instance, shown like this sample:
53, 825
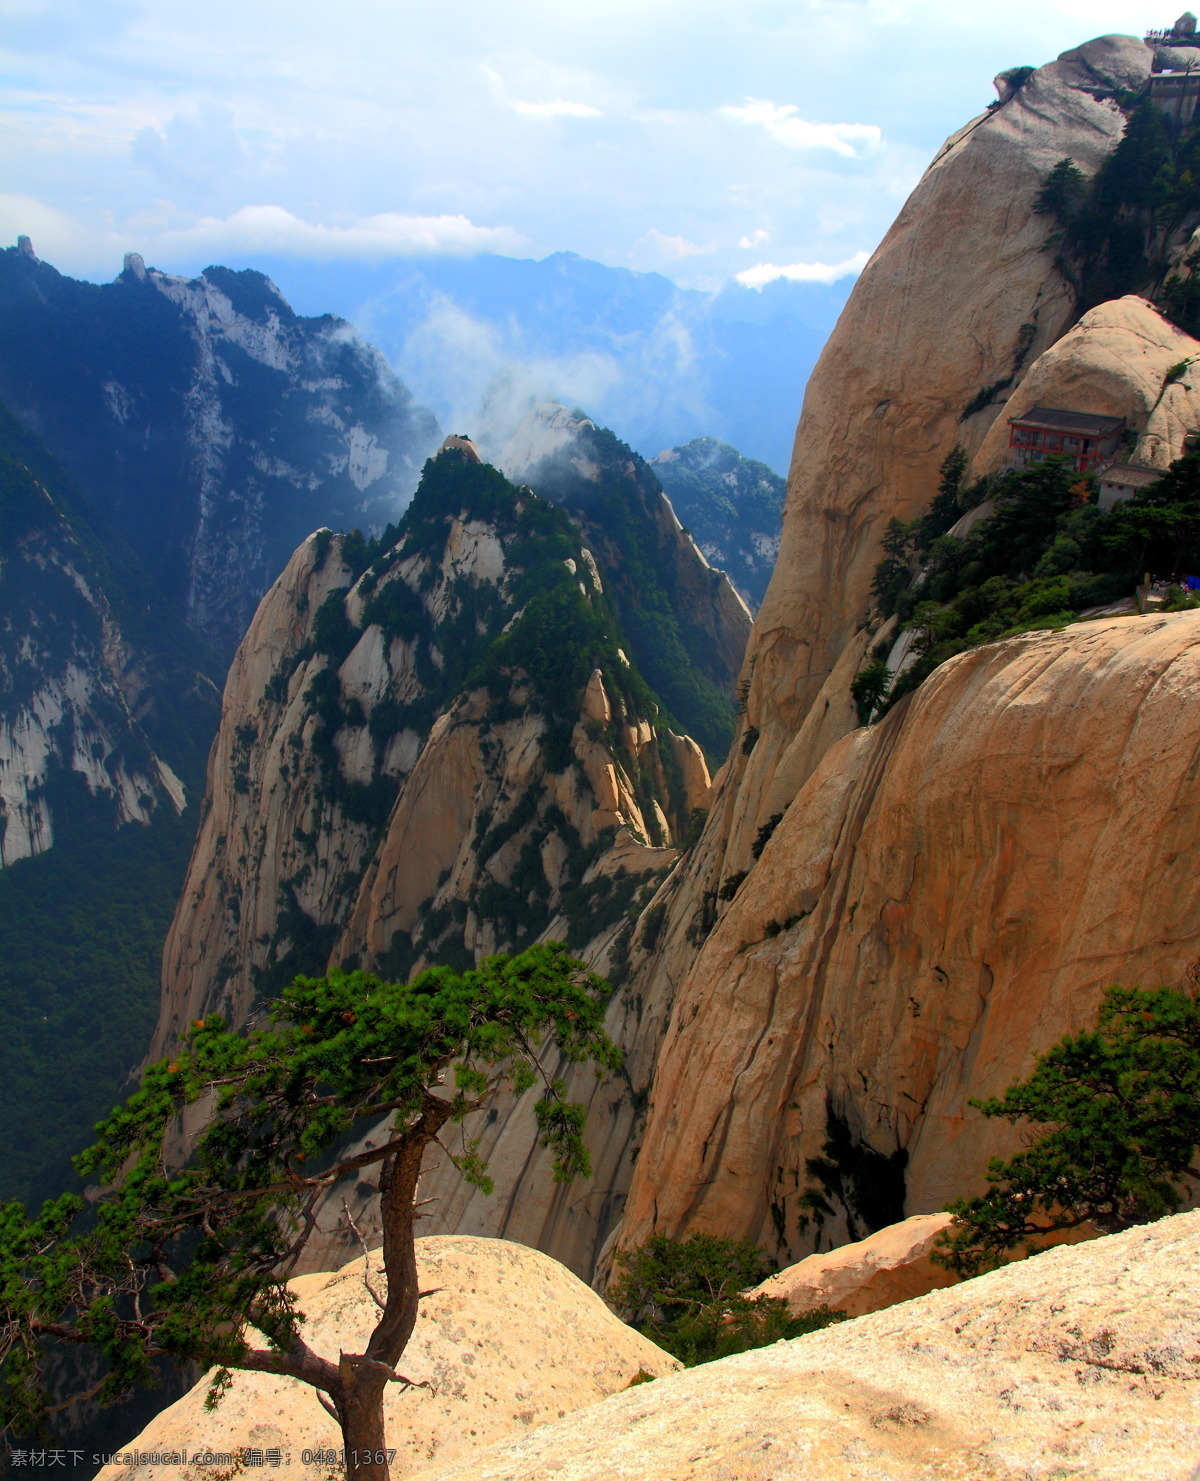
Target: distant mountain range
479, 339
212, 426
171, 441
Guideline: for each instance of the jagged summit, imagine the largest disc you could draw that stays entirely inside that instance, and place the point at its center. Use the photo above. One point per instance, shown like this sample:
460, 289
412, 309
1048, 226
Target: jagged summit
429, 741
212, 425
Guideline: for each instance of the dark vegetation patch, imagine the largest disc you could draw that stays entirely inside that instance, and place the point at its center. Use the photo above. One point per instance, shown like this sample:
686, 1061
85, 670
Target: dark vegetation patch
1045, 554
82, 925
81, 935
1113, 234
617, 512
687, 1296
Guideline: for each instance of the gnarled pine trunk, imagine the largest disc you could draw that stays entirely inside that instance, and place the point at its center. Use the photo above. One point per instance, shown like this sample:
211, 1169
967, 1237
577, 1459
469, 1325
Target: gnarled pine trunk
363, 1378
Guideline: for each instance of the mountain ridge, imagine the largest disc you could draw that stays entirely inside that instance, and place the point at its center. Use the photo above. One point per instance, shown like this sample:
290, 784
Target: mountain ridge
213, 426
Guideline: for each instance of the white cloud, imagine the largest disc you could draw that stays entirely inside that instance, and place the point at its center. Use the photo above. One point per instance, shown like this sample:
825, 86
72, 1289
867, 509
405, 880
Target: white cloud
373, 238
803, 272
133, 118
53, 233
755, 239
784, 124
558, 109
676, 247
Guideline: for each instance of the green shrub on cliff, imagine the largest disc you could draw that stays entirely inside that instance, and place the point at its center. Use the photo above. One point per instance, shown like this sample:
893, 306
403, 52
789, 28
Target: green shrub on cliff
689, 1297
1044, 554
1117, 1109
1115, 231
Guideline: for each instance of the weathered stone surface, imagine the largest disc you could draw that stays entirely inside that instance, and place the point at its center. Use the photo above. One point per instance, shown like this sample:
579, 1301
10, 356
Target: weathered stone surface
253, 822
1082, 1362
429, 855
290, 873
510, 1339
1114, 362
285, 871
960, 296
888, 1266
940, 312
949, 894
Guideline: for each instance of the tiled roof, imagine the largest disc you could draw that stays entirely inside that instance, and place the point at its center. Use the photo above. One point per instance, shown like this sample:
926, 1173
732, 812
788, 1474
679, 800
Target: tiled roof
1129, 475
1054, 420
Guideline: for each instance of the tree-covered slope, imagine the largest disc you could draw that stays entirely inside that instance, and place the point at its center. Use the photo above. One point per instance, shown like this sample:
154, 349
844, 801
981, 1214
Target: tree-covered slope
429, 745
107, 707
1042, 554
687, 627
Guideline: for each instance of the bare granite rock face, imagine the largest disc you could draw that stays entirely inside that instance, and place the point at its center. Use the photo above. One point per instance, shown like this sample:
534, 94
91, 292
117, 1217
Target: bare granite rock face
509, 1339
950, 893
1083, 1362
960, 296
775, 994
103, 693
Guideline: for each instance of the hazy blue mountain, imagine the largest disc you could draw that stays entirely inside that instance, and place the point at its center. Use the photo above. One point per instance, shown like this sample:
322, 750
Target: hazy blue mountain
731, 505
213, 426
659, 364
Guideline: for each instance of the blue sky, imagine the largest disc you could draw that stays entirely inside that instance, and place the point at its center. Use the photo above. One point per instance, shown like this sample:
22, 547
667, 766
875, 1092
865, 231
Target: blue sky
702, 140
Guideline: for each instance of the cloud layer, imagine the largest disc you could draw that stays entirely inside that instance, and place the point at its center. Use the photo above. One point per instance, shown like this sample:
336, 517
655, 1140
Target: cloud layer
272, 230
802, 272
654, 134
784, 124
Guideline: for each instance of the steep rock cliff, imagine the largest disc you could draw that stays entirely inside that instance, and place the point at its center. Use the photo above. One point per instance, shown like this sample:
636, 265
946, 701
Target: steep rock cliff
429, 747
86, 686
948, 894
732, 505
213, 426
960, 296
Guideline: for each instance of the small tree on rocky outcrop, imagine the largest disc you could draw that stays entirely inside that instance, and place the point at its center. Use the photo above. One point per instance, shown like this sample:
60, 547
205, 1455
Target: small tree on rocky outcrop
689, 1296
191, 1262
1118, 1115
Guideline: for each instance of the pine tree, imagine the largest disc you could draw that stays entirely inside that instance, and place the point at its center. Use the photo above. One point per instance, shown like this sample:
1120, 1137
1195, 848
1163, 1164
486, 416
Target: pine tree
183, 1262
1119, 1108
1063, 187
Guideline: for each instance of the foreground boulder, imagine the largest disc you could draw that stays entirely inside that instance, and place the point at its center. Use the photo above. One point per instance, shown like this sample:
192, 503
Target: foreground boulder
510, 1339
1083, 1361
891, 1265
